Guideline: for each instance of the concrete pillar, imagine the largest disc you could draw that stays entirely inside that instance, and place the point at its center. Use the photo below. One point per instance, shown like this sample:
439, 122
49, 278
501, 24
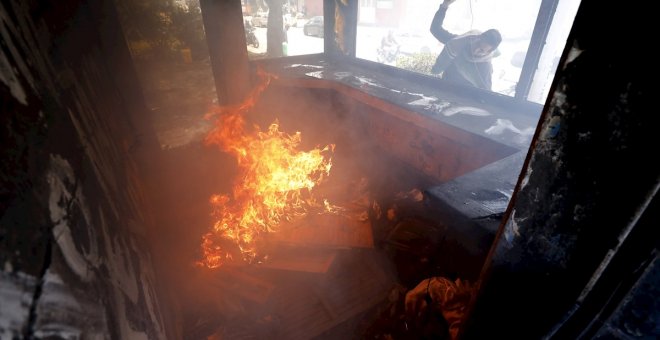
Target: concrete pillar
225, 35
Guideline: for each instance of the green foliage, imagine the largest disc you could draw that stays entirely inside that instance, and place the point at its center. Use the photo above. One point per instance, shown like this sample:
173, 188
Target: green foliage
160, 28
188, 28
418, 62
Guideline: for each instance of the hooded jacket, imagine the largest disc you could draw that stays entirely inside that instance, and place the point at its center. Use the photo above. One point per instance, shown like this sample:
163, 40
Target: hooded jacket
456, 62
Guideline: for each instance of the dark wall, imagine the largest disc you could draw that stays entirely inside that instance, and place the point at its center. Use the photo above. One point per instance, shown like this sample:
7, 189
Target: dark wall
580, 228
74, 215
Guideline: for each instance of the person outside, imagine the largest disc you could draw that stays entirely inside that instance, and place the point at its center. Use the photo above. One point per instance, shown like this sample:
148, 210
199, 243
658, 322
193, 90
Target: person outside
389, 47
389, 40
466, 58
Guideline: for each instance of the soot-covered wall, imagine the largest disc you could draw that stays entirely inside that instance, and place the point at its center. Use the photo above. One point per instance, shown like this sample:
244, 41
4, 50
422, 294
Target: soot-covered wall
581, 226
74, 260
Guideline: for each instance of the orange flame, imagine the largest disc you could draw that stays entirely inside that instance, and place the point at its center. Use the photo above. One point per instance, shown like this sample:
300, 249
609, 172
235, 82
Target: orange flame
275, 182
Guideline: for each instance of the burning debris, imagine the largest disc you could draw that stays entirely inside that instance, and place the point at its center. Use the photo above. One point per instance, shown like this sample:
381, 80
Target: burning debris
434, 309
275, 184
439, 295
316, 244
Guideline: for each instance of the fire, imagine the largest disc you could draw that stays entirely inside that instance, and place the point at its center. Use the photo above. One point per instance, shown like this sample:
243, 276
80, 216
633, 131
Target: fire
275, 182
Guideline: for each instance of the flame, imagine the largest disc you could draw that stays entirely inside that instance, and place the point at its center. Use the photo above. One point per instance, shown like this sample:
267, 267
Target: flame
275, 182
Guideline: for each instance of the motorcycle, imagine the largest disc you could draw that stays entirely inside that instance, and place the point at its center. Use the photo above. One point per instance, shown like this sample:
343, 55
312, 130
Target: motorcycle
387, 55
250, 37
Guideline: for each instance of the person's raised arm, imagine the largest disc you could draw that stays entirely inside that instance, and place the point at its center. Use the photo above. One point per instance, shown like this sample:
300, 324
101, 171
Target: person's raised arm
436, 25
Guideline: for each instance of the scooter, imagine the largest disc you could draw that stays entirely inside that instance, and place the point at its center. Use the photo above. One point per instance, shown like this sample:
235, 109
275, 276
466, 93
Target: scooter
387, 55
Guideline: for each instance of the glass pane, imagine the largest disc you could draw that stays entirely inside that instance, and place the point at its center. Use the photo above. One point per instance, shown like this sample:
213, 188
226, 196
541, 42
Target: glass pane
301, 29
397, 32
552, 50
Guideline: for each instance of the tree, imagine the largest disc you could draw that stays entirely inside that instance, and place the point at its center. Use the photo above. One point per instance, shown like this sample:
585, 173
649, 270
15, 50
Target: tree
276, 34
162, 26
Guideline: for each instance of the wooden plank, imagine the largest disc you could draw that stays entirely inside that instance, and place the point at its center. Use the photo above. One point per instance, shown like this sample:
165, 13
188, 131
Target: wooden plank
307, 308
326, 304
327, 230
301, 312
301, 260
357, 287
233, 281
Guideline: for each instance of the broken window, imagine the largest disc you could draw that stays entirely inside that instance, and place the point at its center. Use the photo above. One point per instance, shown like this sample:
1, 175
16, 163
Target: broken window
397, 33
278, 28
